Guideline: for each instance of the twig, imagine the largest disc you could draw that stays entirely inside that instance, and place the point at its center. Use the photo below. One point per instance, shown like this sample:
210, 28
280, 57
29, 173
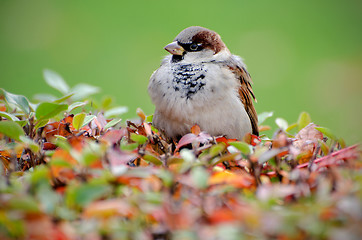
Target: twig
323, 159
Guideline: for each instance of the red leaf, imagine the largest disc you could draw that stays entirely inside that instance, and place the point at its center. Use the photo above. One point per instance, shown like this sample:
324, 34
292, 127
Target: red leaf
186, 139
49, 146
39, 226
117, 157
114, 136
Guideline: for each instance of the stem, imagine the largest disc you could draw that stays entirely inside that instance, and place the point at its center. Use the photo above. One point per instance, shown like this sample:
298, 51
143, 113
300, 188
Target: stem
325, 158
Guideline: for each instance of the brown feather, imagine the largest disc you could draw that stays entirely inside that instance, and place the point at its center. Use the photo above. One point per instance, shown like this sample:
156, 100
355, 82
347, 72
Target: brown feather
246, 94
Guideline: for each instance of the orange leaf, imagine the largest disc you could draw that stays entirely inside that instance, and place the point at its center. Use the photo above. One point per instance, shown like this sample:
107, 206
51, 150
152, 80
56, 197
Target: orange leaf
141, 114
2, 108
50, 130
179, 217
61, 171
224, 140
239, 180
264, 128
195, 129
108, 208
152, 182
221, 215
77, 142
65, 127
328, 213
96, 164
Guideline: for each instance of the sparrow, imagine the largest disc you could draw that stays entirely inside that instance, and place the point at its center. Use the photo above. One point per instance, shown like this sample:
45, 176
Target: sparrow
202, 83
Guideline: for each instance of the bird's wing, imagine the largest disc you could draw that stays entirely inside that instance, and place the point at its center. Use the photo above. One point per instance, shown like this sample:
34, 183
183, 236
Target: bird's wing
245, 91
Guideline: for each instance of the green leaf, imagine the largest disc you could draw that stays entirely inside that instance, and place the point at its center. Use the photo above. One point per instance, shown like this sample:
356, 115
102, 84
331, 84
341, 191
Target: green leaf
86, 193
166, 176
303, 120
241, 146
149, 118
44, 97
292, 126
82, 90
174, 160
62, 142
153, 197
140, 139
17, 100
11, 129
106, 102
217, 149
62, 99
25, 204
91, 153
8, 116
112, 123
264, 116
200, 177
88, 119
114, 112
55, 81
41, 123
78, 120
59, 162
281, 123
47, 110
75, 105
30, 144
341, 142
224, 158
128, 146
154, 129
327, 132
22, 123
48, 198
41, 174
324, 147
89, 157
152, 159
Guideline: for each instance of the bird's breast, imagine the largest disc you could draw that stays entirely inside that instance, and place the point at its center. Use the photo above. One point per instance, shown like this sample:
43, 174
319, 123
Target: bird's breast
188, 79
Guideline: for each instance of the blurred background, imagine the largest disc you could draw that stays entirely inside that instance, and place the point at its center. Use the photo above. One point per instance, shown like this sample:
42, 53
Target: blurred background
302, 55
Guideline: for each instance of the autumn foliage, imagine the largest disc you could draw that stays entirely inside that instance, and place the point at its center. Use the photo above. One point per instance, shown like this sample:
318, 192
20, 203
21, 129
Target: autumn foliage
74, 170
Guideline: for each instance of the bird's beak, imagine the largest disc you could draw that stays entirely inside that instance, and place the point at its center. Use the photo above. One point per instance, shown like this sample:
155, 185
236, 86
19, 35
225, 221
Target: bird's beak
175, 49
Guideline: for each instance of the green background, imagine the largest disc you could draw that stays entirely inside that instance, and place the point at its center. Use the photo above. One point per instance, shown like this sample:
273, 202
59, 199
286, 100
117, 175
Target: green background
302, 55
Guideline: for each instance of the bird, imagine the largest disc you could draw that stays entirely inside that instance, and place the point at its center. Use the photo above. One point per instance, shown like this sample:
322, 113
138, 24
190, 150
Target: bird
202, 83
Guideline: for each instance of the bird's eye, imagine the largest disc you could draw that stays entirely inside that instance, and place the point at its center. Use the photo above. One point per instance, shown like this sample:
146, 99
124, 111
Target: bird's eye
194, 46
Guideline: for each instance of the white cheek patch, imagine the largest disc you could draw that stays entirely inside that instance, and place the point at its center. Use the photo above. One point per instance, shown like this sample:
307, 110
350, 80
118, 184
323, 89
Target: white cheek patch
198, 57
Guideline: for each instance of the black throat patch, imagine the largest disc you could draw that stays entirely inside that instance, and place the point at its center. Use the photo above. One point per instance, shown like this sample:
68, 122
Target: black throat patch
188, 79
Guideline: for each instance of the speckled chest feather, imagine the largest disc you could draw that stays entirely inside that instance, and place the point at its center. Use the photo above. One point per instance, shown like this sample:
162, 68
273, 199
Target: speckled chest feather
188, 79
